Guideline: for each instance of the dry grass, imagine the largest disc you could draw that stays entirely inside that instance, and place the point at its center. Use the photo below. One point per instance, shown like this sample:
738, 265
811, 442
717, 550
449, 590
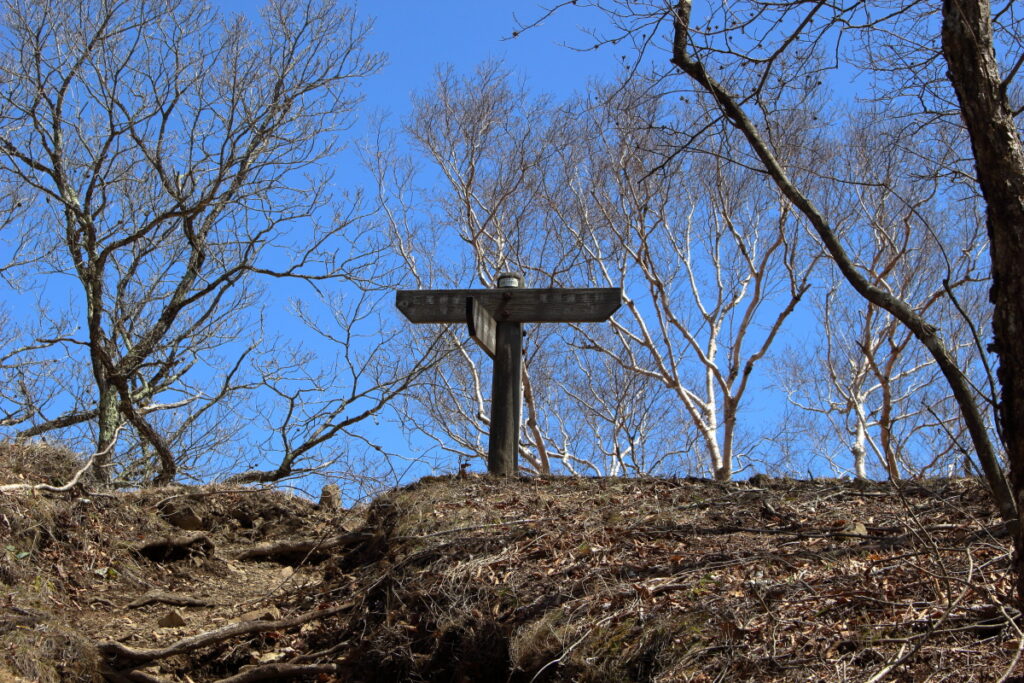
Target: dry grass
37, 462
652, 580
522, 580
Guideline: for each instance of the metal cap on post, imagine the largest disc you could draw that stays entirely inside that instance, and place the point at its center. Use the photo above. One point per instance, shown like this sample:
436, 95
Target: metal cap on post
509, 279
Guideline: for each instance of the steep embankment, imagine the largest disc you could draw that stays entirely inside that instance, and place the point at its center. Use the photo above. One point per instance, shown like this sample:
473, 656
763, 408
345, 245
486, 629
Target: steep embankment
528, 580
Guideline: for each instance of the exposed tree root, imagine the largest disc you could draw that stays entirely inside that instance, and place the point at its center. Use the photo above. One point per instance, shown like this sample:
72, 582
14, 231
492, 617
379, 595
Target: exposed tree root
131, 677
279, 672
123, 656
308, 551
174, 548
153, 597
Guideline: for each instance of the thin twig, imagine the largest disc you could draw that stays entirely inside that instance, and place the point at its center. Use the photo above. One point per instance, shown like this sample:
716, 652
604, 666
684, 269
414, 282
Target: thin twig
884, 671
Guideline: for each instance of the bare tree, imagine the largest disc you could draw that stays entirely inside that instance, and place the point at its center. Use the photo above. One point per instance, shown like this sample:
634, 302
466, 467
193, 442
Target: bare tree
489, 143
880, 389
631, 420
166, 154
712, 267
320, 402
984, 84
565, 193
880, 399
758, 63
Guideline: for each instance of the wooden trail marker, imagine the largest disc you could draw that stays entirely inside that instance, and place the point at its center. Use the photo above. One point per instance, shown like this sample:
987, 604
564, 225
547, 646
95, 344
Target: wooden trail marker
495, 320
483, 328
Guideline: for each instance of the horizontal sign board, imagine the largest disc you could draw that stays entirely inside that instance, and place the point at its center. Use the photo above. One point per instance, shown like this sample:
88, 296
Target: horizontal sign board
511, 305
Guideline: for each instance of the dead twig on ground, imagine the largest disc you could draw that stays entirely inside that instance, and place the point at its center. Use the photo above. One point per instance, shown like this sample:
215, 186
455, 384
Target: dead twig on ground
475, 527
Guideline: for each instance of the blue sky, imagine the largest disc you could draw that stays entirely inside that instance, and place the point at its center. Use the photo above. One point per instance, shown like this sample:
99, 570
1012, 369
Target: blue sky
419, 36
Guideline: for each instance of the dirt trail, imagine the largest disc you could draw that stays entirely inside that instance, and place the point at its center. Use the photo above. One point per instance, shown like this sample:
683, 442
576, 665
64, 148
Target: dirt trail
145, 569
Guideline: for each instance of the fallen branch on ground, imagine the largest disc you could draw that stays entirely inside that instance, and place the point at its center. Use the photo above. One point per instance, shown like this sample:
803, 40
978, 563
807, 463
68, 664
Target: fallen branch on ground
279, 672
475, 527
200, 494
169, 599
307, 550
127, 656
131, 677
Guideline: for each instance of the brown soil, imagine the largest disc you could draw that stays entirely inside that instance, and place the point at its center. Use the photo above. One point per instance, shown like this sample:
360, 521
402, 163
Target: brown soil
522, 580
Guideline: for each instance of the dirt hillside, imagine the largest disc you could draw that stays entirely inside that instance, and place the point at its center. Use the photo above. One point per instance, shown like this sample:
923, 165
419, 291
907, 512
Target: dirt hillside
540, 579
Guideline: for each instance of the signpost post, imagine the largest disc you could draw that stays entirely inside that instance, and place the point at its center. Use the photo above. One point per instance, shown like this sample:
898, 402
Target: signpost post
495, 320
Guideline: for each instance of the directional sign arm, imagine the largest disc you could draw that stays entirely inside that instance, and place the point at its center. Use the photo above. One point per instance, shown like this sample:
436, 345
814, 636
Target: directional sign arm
512, 305
482, 325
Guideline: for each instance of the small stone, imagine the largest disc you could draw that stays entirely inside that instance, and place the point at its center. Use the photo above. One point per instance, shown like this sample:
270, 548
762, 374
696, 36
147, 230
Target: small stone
330, 498
188, 520
856, 528
760, 480
286, 572
171, 620
182, 517
268, 657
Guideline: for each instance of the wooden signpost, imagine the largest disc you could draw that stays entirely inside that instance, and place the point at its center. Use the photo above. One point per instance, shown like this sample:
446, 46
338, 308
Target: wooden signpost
495, 320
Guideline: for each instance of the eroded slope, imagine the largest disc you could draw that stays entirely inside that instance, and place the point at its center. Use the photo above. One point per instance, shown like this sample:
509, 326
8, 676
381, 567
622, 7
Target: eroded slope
525, 580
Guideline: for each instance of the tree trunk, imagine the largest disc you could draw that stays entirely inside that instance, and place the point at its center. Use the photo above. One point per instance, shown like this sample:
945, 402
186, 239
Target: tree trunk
859, 447
967, 44
543, 463
109, 420
885, 430
729, 409
719, 466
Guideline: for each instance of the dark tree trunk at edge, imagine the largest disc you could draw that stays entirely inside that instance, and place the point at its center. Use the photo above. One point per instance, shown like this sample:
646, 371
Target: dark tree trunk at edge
967, 45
